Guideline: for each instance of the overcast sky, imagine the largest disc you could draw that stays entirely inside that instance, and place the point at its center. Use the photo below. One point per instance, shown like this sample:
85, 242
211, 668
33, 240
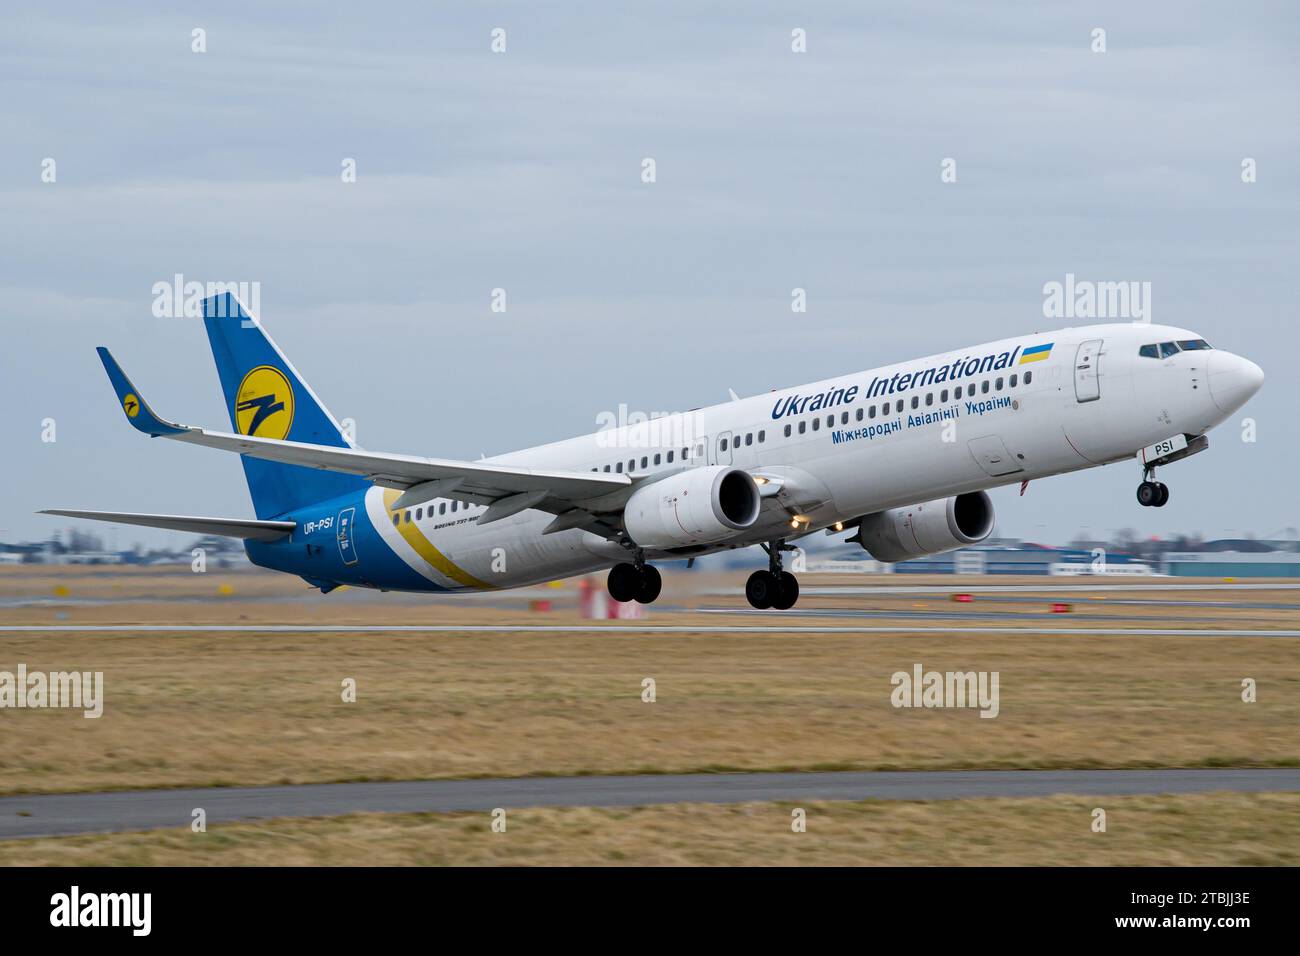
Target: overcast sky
522, 170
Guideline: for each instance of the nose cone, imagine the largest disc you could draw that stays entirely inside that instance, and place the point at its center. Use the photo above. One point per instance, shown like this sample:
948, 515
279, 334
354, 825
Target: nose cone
1233, 380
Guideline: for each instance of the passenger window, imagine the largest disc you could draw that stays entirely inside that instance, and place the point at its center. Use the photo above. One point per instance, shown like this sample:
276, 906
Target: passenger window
1149, 351
817, 424
957, 392
1168, 349
631, 465
803, 427
454, 504
873, 408
943, 396
900, 405
749, 439
984, 386
871, 412
722, 444
762, 435
670, 457
1012, 381
645, 462
397, 519
408, 517
787, 431
916, 400
442, 508
419, 514
656, 458
618, 467
1029, 377
844, 418
929, 398
998, 384
830, 421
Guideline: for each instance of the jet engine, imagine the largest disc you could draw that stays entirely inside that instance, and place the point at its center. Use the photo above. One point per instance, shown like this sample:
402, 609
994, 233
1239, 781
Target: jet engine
697, 506
929, 528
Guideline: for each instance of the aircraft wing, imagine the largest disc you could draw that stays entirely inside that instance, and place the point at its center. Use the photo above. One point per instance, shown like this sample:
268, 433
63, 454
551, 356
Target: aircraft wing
505, 489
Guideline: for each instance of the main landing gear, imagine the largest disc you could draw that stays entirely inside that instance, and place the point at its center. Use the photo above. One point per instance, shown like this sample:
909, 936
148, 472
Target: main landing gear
1152, 494
773, 588
637, 581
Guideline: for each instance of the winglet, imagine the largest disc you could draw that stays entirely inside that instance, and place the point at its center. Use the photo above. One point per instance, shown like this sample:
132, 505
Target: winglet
138, 412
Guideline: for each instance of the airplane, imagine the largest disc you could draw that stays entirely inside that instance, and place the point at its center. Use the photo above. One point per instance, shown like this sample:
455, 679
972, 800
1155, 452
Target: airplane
901, 457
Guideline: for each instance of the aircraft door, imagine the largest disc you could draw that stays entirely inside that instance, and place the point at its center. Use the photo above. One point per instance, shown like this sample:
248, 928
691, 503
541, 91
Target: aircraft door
1087, 387
347, 545
991, 454
721, 446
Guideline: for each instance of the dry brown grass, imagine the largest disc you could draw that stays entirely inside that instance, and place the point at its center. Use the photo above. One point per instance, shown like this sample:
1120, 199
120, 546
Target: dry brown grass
1199, 830
225, 708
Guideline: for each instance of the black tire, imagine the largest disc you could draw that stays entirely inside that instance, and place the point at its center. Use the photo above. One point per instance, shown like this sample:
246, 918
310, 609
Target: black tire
1164, 494
650, 585
624, 582
787, 591
1148, 494
760, 589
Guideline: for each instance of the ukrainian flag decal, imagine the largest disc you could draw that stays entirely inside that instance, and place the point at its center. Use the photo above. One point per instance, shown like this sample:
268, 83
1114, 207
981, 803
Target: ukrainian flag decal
1036, 354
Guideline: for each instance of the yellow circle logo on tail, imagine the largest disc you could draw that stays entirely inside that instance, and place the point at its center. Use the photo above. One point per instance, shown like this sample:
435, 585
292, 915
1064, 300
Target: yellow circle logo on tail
131, 405
264, 404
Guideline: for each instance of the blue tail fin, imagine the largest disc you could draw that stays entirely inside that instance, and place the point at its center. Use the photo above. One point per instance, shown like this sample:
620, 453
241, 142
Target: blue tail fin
266, 397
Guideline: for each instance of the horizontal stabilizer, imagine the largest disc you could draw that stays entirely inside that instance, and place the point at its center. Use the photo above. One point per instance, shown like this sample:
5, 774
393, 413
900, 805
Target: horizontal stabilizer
222, 527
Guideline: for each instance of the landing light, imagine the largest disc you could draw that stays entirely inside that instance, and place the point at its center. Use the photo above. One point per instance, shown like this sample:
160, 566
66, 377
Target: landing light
839, 526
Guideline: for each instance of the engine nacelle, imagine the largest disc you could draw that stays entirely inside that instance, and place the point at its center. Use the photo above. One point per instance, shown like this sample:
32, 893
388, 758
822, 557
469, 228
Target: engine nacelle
698, 506
929, 528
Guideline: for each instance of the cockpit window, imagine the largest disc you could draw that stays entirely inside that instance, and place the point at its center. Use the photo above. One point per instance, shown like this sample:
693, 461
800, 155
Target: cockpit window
1166, 349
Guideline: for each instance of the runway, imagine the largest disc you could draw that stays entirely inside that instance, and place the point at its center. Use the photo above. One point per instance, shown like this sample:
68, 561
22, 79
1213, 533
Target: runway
900, 628
66, 814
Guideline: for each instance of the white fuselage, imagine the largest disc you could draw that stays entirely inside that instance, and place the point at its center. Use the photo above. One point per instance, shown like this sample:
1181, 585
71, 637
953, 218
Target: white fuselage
852, 450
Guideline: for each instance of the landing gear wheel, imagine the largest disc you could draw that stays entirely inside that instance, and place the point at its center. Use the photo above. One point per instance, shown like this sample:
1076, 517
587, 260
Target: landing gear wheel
649, 585
1148, 494
787, 591
762, 589
624, 582
1164, 494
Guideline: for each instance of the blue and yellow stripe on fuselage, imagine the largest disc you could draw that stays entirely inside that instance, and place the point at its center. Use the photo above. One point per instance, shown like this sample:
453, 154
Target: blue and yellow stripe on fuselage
414, 537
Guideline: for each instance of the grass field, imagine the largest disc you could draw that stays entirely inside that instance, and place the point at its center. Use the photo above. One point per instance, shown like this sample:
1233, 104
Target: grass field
1200, 830
247, 708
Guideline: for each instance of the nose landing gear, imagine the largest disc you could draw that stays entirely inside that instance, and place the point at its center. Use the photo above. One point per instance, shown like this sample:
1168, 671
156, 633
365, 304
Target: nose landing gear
773, 588
1152, 494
